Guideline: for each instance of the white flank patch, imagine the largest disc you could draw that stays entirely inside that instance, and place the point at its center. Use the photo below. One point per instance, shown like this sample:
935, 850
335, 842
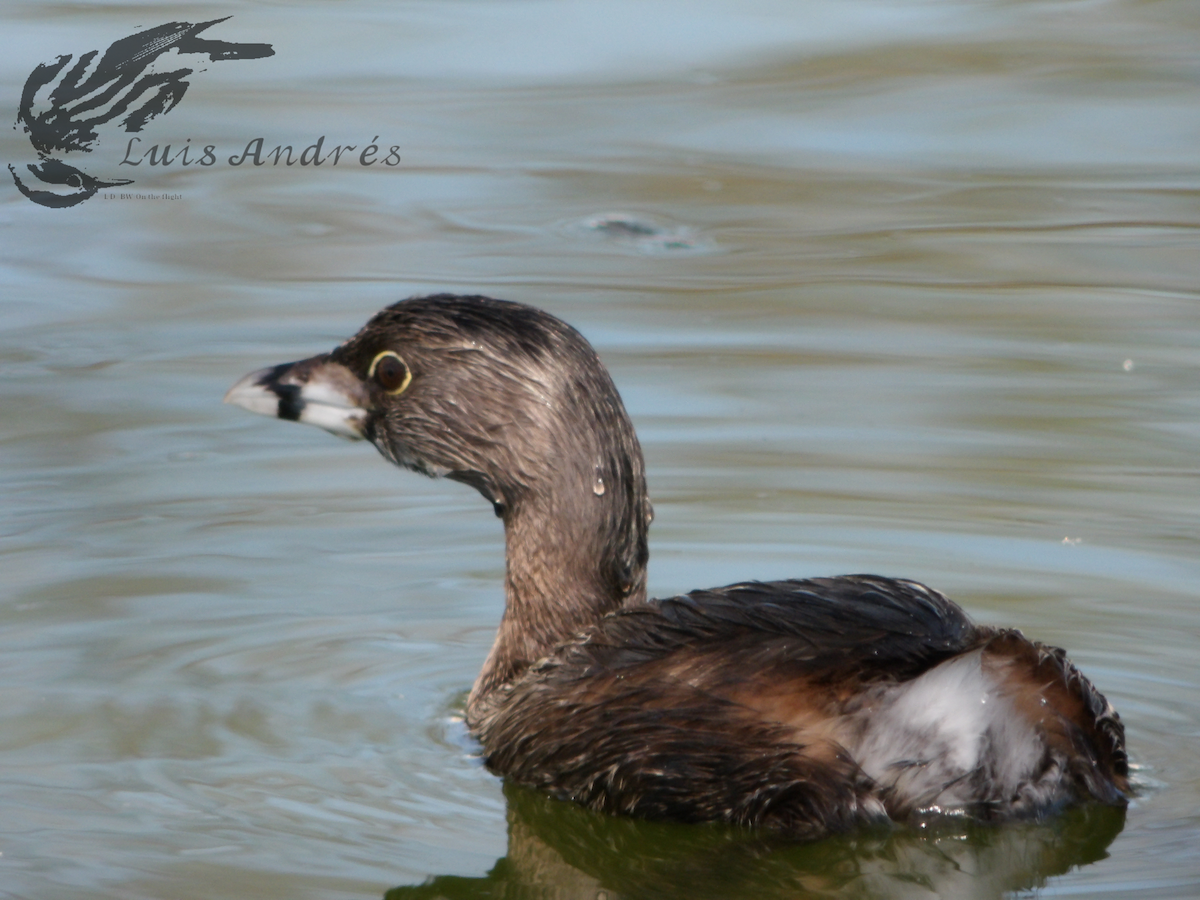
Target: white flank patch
926, 738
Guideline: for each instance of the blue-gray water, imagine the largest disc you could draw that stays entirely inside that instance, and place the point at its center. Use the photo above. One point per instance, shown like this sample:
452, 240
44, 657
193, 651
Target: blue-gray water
905, 287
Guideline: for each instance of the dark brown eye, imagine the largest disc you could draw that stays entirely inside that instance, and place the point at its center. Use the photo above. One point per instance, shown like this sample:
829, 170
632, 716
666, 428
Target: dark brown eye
390, 372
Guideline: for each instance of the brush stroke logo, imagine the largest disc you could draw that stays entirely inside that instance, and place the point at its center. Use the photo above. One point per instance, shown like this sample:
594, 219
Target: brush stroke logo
132, 83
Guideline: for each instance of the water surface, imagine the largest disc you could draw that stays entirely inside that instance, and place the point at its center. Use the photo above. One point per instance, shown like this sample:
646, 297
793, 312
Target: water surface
897, 287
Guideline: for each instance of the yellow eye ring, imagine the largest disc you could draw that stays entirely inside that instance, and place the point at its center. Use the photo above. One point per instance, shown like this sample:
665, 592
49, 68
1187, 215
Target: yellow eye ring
390, 372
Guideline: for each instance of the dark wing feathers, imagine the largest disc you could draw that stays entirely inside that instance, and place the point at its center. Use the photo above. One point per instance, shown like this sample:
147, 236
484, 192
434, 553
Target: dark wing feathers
859, 622
665, 750
635, 717
658, 710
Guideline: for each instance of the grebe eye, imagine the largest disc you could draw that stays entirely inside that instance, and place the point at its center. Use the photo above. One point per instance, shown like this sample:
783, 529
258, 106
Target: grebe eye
390, 372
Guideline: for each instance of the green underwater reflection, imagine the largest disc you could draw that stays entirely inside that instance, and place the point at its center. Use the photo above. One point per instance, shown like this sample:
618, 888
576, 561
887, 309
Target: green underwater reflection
559, 850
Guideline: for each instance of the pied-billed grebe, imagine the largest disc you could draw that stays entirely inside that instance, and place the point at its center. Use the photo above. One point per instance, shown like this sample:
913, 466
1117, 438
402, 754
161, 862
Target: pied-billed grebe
806, 706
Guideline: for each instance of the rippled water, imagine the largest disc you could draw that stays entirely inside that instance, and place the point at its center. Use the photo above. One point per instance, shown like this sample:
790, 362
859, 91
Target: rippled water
907, 287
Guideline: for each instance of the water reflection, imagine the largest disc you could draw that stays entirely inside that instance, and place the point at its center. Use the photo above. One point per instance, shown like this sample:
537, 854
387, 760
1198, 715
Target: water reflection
559, 850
